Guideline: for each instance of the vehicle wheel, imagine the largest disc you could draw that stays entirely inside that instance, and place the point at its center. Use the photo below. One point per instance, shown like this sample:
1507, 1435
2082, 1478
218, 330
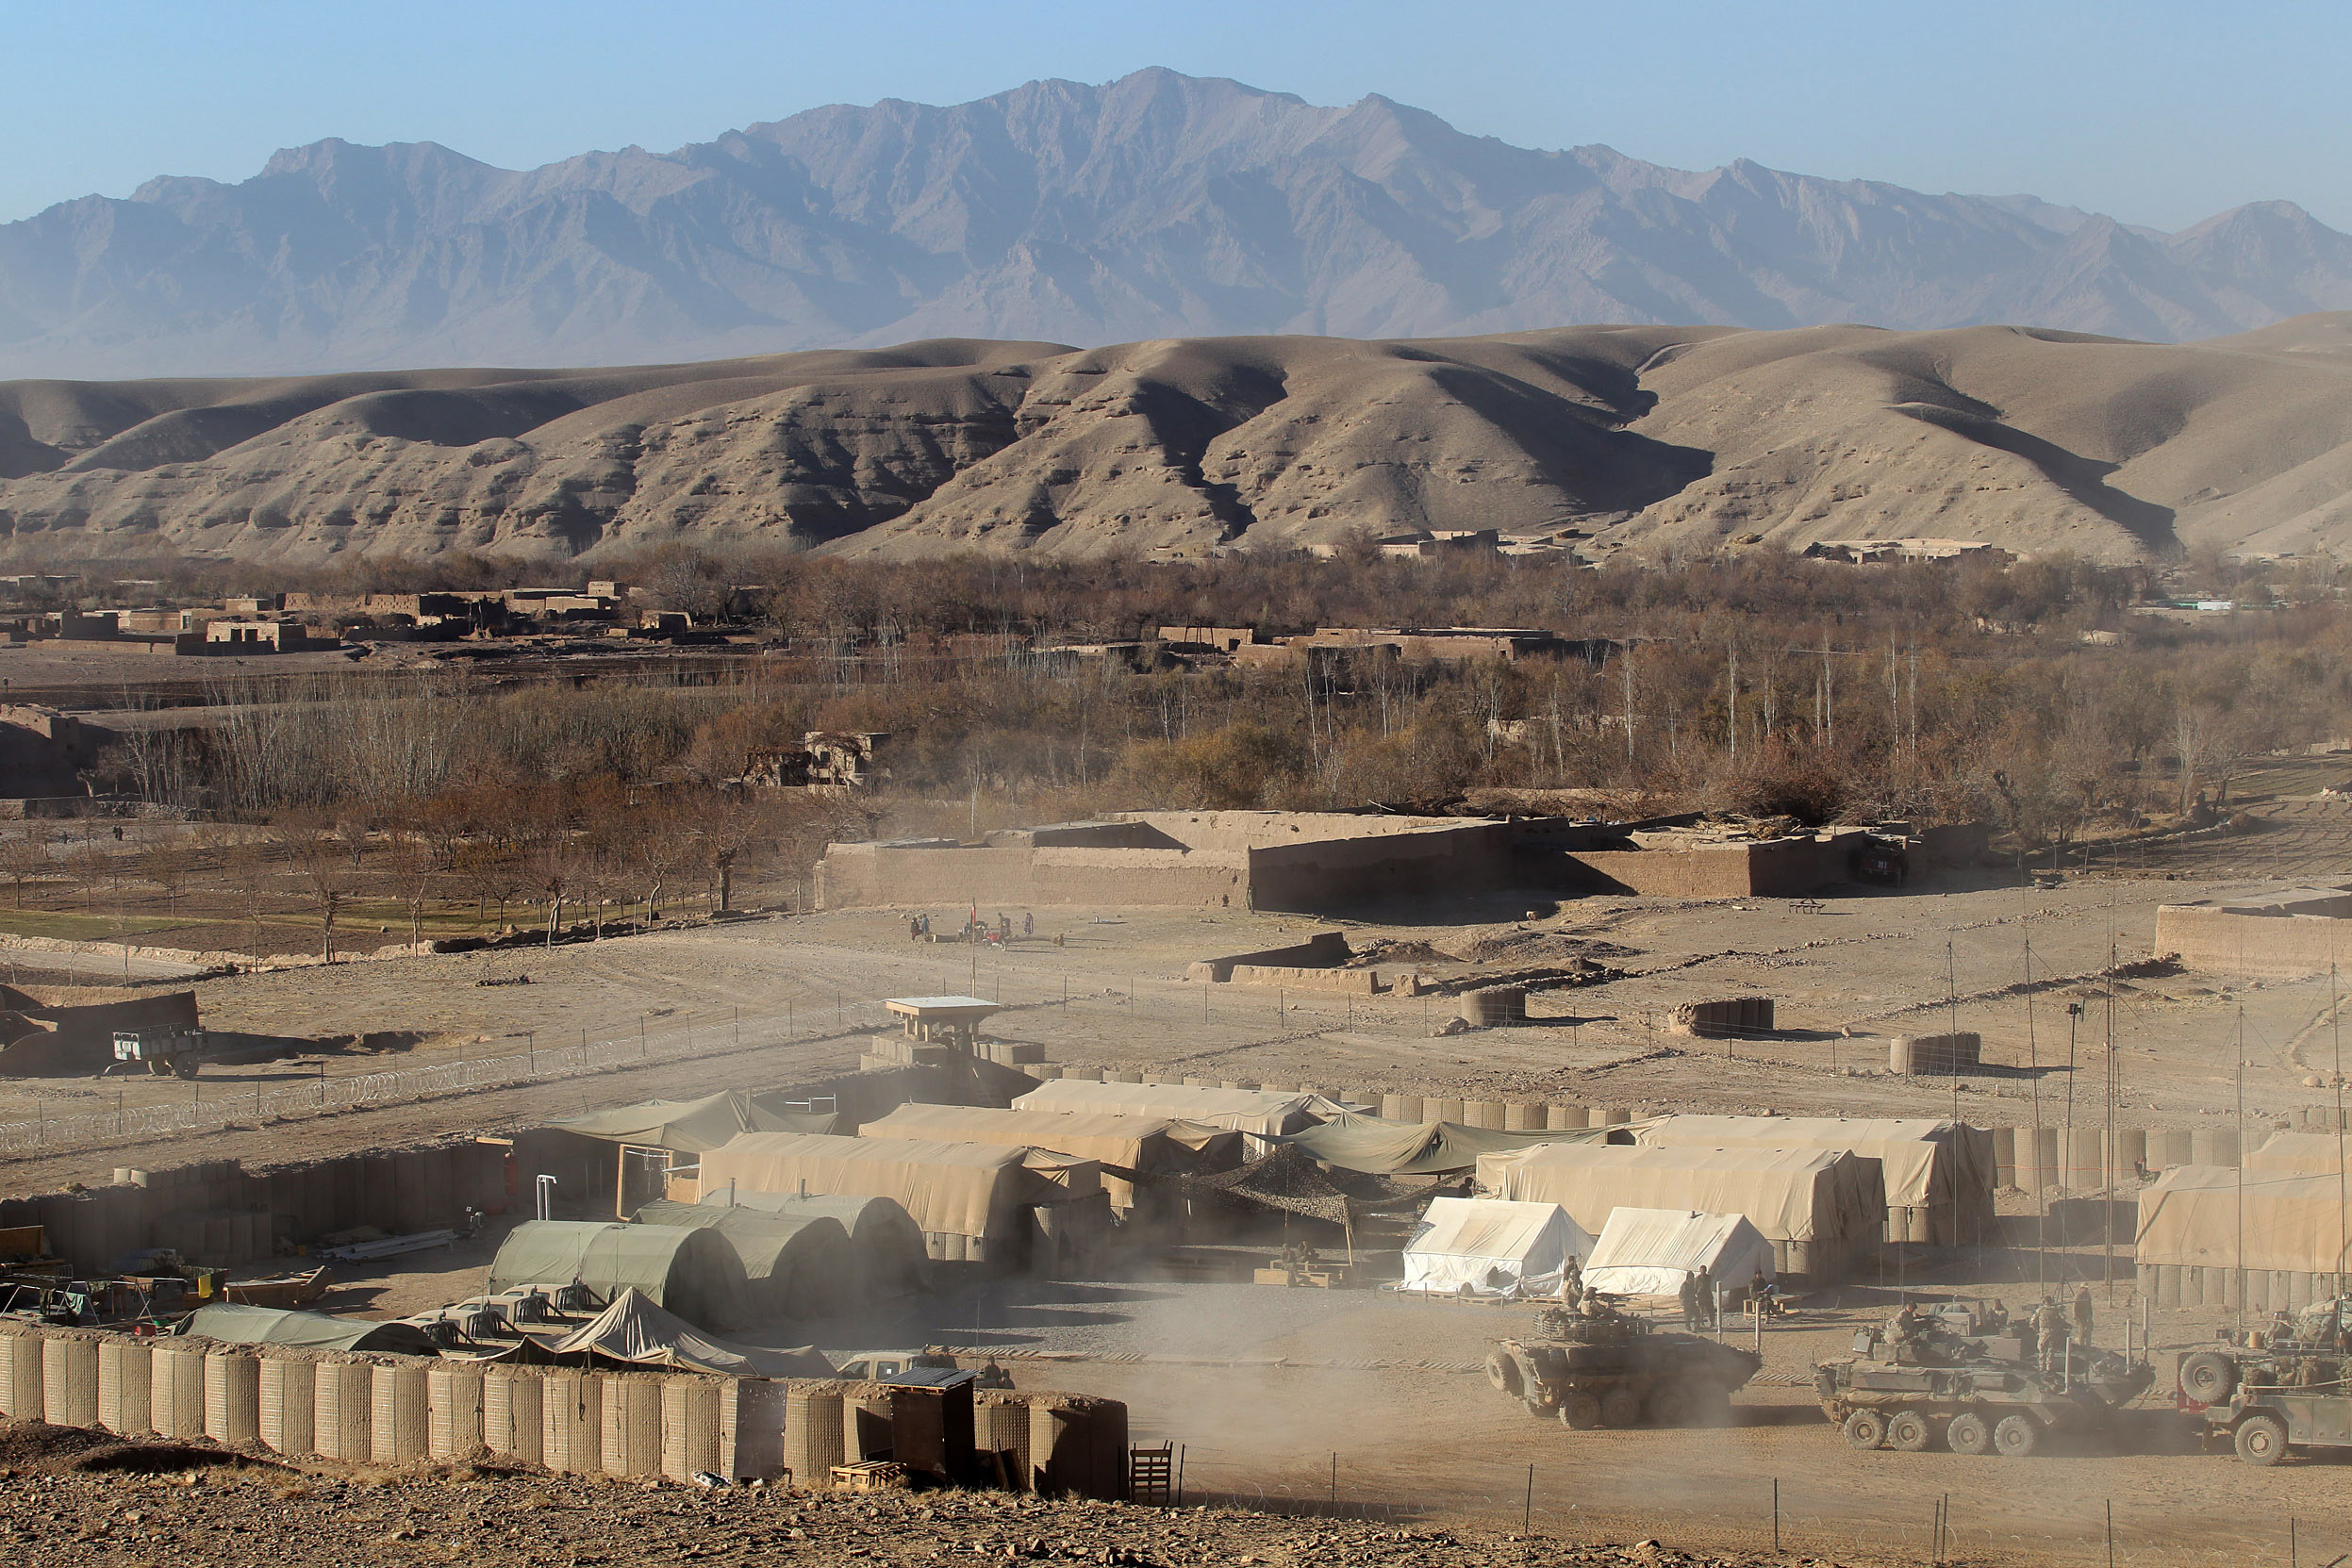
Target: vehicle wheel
1864, 1429
1967, 1434
2206, 1377
2261, 1439
1503, 1373
1620, 1407
1907, 1432
1537, 1408
1581, 1412
2015, 1437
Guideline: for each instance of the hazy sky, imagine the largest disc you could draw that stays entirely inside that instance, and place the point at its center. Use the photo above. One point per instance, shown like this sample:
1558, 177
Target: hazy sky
2161, 112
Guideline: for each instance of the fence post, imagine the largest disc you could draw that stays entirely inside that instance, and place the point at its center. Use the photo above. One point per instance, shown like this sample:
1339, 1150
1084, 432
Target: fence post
1776, 1513
1526, 1509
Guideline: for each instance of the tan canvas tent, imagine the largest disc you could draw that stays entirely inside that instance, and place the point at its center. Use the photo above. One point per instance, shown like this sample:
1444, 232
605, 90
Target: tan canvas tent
693, 1125
971, 1200
2189, 1218
1161, 1144
692, 1273
2298, 1154
1820, 1209
1653, 1251
1939, 1174
1242, 1110
1485, 1247
796, 1267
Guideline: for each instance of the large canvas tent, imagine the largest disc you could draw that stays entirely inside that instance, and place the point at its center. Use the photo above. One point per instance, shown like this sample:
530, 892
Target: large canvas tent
633, 1331
888, 1255
1382, 1147
693, 1273
1161, 1144
2218, 1218
1242, 1110
972, 1201
1489, 1246
693, 1126
1939, 1174
1653, 1251
2299, 1154
799, 1266
1820, 1209
232, 1324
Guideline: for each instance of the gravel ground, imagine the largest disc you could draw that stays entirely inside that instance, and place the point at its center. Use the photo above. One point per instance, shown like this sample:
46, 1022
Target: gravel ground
67, 1501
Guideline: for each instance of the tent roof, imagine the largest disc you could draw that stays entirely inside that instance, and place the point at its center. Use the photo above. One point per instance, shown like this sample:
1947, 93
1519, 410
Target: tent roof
1243, 1110
232, 1324
1924, 1161
950, 1188
762, 1240
1492, 1228
1371, 1144
1788, 1195
2191, 1216
635, 1330
693, 1126
1642, 1244
2298, 1154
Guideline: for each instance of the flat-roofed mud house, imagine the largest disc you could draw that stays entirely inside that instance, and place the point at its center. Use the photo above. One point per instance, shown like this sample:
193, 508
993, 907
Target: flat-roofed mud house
1304, 862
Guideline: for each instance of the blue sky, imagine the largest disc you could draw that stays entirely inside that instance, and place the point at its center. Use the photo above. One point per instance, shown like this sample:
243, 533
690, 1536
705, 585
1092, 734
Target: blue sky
2158, 113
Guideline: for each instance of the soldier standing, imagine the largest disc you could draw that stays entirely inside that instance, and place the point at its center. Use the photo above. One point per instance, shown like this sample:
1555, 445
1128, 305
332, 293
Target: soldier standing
2083, 1314
1703, 1291
1571, 1280
1689, 1293
2049, 1328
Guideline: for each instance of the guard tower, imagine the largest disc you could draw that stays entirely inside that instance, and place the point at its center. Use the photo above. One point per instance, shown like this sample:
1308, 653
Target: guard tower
950, 1021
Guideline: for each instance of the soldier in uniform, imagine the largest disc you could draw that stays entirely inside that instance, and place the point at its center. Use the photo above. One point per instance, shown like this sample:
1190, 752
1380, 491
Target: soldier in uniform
2049, 1328
1571, 1279
2083, 1314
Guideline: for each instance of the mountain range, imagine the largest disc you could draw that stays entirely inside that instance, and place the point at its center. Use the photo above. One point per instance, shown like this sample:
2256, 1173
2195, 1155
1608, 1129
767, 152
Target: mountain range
1155, 206
1645, 440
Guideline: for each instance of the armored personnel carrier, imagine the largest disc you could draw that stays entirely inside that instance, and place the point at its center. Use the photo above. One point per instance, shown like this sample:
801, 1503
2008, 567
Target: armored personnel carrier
1596, 1366
1916, 1381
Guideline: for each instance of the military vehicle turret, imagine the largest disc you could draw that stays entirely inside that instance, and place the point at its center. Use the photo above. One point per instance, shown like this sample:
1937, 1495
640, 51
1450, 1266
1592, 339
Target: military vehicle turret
1916, 1381
1597, 1366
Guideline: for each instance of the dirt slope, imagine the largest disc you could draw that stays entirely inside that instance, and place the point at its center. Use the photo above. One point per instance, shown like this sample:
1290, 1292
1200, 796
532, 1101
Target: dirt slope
1653, 439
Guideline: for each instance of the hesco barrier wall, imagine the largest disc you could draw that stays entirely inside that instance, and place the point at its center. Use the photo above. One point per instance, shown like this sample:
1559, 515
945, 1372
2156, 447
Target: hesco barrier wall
400, 1410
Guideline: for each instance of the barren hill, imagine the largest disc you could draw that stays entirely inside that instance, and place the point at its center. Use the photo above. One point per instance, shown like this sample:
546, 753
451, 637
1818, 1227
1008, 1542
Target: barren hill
1155, 205
1648, 438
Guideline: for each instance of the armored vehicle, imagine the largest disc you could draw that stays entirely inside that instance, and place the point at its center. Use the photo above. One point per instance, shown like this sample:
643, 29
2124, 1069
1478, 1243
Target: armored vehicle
1597, 1366
1917, 1381
2276, 1390
167, 1052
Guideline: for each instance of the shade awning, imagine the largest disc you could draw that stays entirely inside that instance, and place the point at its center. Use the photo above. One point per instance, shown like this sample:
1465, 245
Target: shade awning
634, 1331
1382, 1147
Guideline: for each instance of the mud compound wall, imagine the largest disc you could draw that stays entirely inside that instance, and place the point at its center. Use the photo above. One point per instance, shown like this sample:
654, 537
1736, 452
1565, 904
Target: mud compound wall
854, 875
1779, 868
406, 1410
1337, 871
2259, 947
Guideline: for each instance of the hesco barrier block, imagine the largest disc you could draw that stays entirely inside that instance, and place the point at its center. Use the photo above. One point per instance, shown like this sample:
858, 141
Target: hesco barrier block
690, 1427
1001, 1418
573, 1404
124, 1365
175, 1389
289, 1405
453, 1397
400, 1416
232, 1397
751, 1428
630, 1439
815, 1431
69, 1367
344, 1399
20, 1391
512, 1419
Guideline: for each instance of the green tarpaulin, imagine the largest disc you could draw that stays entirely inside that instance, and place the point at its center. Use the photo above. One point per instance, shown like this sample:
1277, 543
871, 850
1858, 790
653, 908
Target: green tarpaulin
884, 1237
799, 1266
694, 1126
695, 1274
235, 1324
1380, 1147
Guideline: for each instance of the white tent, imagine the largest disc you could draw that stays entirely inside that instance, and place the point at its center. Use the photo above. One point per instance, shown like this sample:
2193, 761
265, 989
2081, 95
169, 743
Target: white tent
1488, 1247
1651, 1251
